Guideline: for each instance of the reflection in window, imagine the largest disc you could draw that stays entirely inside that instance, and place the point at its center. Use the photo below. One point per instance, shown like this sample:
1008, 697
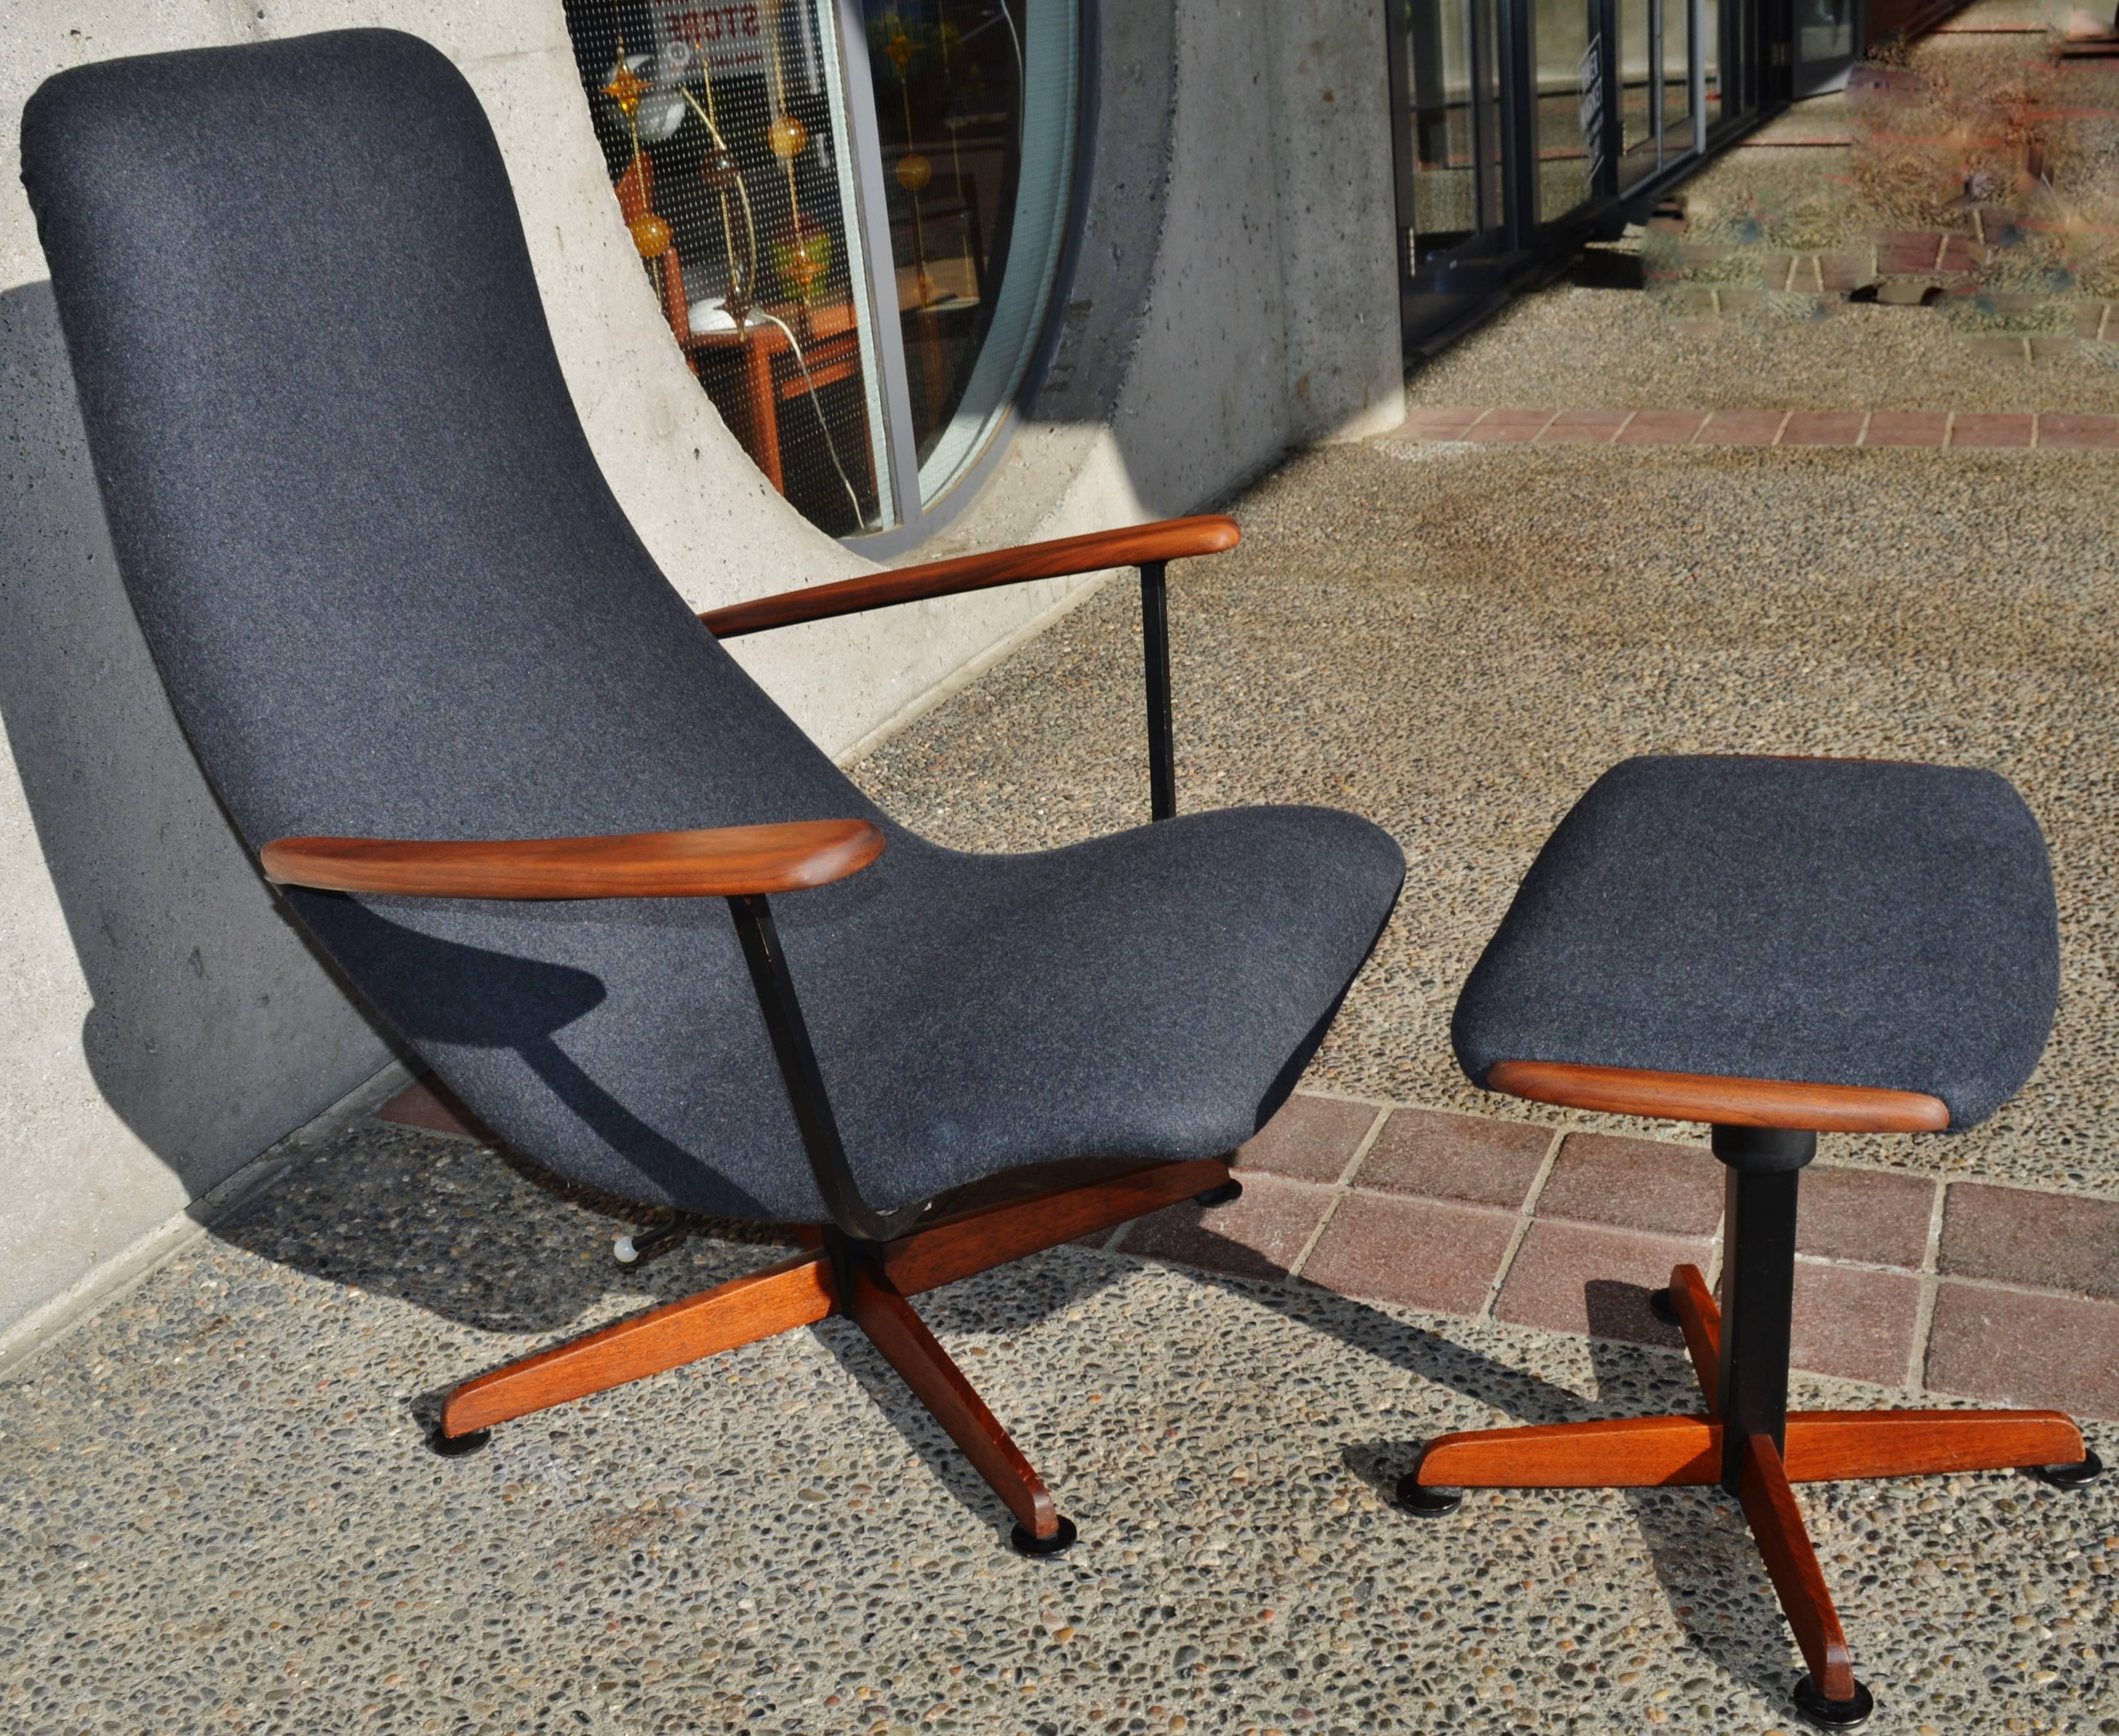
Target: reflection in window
739, 165
976, 112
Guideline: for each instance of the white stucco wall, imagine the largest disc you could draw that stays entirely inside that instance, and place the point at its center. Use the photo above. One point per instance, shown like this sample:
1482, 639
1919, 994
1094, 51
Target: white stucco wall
160, 1024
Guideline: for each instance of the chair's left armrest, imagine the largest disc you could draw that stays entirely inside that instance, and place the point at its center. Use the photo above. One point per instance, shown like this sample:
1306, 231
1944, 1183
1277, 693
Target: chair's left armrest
726, 862
1171, 538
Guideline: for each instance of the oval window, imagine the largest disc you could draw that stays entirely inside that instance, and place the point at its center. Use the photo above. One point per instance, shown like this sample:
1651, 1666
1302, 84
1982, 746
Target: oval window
852, 215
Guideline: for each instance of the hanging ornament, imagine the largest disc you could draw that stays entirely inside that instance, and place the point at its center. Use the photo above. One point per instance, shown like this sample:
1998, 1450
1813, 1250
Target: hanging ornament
626, 88
650, 235
718, 171
899, 48
914, 171
787, 137
803, 262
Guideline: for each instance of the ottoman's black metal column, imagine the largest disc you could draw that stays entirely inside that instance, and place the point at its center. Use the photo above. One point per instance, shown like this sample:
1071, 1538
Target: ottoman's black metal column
1758, 1283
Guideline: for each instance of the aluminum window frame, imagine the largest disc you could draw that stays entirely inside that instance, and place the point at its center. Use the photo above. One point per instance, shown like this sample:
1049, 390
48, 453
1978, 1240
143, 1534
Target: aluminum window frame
917, 520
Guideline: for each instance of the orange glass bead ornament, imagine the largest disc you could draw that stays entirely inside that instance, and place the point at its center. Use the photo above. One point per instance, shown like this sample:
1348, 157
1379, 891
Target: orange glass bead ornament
626, 88
807, 261
899, 48
914, 171
787, 137
650, 235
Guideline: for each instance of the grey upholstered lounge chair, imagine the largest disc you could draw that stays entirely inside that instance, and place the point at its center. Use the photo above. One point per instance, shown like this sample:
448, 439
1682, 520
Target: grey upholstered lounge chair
393, 598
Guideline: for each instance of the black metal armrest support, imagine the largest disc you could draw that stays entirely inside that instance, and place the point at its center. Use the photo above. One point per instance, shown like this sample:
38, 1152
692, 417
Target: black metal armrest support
1150, 547
770, 977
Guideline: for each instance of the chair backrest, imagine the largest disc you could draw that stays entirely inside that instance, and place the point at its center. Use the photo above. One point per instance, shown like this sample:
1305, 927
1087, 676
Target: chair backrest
386, 584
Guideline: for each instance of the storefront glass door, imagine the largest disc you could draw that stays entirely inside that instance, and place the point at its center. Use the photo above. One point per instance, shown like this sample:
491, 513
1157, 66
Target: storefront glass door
1446, 75
1825, 34
1516, 123
1567, 54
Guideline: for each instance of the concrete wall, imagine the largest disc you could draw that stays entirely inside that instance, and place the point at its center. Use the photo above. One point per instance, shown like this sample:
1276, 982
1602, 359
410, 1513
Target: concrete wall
160, 1024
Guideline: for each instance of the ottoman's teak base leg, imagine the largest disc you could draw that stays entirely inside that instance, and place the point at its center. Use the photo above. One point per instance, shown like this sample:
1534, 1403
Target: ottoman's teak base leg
1817, 1446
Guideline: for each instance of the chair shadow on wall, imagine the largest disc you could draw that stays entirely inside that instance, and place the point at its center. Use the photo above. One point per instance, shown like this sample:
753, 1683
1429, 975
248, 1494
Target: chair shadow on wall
205, 997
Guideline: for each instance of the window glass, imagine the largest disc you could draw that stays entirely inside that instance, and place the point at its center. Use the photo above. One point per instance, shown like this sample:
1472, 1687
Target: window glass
739, 166
1570, 104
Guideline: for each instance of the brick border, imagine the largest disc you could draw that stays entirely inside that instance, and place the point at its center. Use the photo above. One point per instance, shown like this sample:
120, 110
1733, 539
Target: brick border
1989, 1375
1935, 430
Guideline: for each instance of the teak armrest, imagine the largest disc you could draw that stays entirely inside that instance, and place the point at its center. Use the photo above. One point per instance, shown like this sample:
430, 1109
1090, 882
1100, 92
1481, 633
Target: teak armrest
728, 862
1172, 539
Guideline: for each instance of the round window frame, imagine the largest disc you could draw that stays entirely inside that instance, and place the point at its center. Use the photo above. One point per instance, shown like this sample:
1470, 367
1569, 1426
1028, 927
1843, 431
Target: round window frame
936, 515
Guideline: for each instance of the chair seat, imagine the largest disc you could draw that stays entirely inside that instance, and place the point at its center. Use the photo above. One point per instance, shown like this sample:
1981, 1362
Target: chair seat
1842, 922
1154, 993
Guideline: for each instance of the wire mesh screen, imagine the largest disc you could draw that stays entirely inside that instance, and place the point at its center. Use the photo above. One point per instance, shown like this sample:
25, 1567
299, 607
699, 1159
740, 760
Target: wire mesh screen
731, 165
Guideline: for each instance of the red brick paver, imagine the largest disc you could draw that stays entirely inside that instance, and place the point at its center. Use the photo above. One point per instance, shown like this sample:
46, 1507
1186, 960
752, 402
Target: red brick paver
431, 1106
2046, 1241
1419, 1253
1259, 1236
1870, 1216
1634, 1184
2061, 430
1509, 424
1662, 428
1968, 430
1853, 1323
1900, 251
2079, 433
1439, 425
1465, 1157
1823, 428
1312, 1139
1906, 428
1584, 1278
1583, 427
1742, 427
2018, 1347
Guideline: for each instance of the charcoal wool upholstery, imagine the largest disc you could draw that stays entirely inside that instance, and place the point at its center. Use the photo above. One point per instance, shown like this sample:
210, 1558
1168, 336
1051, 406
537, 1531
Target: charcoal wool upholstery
391, 595
1834, 922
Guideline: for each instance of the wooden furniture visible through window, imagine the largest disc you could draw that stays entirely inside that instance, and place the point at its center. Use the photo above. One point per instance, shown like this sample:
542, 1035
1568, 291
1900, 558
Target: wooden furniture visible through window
761, 365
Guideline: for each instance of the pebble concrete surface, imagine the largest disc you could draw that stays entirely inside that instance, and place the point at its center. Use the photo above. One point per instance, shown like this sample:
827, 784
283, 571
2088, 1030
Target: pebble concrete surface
216, 1513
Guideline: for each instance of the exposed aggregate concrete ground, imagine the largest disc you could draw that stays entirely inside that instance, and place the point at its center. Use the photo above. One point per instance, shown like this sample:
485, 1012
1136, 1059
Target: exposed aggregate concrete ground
215, 1514
1455, 640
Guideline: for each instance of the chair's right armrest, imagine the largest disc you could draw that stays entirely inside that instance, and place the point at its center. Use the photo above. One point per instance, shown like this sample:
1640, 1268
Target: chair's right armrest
726, 862
1130, 545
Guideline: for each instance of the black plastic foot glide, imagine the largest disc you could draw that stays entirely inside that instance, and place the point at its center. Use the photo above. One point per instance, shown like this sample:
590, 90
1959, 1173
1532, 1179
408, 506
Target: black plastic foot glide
1035, 1546
2070, 1476
1429, 1503
1228, 1193
1832, 1715
457, 1446
1663, 1305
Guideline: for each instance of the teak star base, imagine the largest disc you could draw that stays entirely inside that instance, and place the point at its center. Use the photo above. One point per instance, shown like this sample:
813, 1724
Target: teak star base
871, 1289
1820, 1446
